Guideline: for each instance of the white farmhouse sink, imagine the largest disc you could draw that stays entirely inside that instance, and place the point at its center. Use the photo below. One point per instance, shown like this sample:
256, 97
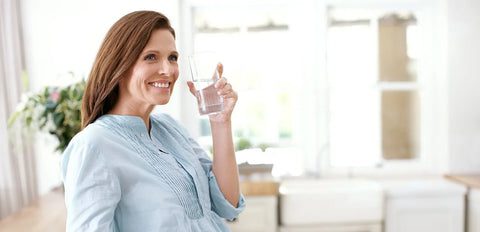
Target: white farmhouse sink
330, 201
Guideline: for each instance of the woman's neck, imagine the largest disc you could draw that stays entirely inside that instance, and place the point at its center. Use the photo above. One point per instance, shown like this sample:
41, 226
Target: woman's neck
134, 110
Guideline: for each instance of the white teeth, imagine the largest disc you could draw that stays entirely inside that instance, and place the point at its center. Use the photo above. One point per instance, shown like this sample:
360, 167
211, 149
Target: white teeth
160, 85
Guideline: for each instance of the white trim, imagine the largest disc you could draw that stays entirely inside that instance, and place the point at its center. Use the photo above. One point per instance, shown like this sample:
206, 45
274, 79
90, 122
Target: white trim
188, 110
234, 3
398, 86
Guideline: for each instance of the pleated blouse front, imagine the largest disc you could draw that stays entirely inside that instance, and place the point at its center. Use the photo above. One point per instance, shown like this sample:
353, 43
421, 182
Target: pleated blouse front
120, 177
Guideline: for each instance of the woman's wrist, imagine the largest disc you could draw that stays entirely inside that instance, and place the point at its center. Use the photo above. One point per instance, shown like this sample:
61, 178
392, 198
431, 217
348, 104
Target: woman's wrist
222, 123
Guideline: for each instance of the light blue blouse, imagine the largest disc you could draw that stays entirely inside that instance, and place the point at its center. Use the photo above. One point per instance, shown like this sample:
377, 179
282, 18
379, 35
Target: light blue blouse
118, 177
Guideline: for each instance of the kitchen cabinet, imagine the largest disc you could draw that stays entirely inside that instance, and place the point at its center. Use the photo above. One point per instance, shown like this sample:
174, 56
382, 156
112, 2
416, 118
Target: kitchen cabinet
472, 181
424, 205
331, 205
260, 213
474, 210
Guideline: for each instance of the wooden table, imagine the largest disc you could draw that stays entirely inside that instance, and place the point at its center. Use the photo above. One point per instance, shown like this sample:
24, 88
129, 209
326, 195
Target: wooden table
48, 213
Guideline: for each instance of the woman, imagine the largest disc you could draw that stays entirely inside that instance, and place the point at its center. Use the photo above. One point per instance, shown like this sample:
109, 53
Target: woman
128, 170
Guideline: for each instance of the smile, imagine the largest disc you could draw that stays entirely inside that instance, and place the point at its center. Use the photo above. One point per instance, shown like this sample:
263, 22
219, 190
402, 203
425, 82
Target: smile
160, 84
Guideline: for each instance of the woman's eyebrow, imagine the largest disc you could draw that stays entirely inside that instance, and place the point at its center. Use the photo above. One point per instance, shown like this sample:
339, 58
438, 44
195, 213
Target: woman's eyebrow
175, 52
151, 51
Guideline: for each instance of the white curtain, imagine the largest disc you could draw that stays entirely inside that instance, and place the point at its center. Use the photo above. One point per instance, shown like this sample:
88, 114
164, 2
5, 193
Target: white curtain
17, 165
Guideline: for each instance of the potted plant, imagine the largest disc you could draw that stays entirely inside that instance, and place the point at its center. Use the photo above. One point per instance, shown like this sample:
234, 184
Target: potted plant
55, 110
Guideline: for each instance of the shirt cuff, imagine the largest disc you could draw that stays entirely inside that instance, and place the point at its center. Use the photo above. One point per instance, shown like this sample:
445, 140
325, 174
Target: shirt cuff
220, 205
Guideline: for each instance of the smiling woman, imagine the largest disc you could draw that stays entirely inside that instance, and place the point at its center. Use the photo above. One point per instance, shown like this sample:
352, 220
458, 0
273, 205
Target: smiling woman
130, 170
113, 64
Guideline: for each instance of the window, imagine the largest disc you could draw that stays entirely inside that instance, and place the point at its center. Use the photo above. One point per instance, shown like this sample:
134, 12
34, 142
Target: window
258, 61
375, 96
332, 85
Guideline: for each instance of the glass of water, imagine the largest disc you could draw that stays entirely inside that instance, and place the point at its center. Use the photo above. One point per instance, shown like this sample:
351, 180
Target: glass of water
204, 73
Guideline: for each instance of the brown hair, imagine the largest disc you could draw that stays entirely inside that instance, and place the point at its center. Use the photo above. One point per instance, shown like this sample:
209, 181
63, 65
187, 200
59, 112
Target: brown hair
119, 51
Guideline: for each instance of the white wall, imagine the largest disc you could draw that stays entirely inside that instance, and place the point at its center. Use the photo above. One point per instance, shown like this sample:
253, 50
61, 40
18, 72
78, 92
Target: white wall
64, 35
463, 64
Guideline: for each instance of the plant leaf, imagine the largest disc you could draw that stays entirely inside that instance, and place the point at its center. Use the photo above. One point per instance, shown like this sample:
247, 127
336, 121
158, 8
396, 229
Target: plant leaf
58, 119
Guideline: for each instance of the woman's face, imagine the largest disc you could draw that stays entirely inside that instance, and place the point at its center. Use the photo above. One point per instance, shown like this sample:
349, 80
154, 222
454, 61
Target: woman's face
153, 76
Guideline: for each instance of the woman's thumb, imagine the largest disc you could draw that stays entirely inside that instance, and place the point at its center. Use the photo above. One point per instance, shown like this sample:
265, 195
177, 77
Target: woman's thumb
191, 87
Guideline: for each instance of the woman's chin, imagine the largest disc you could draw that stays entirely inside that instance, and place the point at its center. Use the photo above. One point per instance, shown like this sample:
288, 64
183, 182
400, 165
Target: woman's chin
162, 101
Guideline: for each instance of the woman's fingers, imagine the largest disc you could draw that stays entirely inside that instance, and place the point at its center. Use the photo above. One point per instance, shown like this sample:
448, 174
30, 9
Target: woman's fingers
231, 94
225, 89
220, 69
221, 83
218, 72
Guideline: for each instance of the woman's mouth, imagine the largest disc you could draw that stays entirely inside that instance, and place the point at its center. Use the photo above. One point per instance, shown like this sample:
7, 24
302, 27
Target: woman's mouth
159, 84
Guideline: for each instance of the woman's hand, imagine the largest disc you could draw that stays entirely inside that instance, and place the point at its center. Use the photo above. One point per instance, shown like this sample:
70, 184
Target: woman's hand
225, 90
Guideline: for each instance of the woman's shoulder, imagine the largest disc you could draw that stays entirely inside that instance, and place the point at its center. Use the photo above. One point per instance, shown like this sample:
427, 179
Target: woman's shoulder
91, 137
85, 141
84, 147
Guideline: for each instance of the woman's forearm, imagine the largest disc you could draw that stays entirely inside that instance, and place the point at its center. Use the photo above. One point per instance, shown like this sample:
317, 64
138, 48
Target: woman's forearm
224, 163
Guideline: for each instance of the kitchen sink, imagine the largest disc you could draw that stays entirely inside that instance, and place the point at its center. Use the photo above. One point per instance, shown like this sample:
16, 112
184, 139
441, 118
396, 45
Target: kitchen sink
316, 202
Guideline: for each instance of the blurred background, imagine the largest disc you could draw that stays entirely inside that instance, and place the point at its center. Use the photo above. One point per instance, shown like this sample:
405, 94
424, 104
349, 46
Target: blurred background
352, 115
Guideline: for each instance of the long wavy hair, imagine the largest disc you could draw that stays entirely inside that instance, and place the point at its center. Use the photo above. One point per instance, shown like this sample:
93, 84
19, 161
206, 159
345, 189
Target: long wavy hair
119, 51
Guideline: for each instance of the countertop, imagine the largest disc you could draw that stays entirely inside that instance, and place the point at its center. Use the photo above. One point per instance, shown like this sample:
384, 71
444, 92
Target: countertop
470, 180
259, 185
259, 188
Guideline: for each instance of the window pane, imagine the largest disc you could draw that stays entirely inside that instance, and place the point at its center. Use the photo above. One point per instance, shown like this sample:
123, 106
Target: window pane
250, 50
397, 39
400, 124
354, 119
370, 122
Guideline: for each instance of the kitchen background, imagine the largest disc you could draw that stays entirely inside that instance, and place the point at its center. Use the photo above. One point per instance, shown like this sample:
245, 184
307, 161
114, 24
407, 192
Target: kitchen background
352, 115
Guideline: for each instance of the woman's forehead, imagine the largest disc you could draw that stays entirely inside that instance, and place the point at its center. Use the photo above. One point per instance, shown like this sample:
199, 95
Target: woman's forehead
161, 40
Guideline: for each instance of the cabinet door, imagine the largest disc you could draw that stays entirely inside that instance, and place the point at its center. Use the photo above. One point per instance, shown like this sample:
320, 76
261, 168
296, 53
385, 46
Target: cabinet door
421, 214
260, 215
474, 210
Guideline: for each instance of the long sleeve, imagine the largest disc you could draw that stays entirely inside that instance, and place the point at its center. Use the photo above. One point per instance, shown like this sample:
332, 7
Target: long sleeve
92, 191
220, 204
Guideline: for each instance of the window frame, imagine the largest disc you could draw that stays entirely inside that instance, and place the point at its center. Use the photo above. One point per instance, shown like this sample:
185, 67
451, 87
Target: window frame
430, 86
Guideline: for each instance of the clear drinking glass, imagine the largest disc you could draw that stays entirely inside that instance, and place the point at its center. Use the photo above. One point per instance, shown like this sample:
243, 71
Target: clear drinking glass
203, 69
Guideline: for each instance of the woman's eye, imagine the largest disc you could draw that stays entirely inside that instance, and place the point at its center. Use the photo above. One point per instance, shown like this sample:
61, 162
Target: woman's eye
173, 58
150, 57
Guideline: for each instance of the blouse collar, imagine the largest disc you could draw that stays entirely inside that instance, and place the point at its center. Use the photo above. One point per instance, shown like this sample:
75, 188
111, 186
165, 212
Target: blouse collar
133, 122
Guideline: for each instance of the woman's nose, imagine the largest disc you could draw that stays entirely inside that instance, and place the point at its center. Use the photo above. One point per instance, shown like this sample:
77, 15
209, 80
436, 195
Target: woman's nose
164, 68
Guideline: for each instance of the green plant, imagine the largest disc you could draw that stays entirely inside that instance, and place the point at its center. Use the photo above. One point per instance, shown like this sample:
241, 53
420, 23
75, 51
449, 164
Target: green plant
242, 144
264, 146
54, 109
